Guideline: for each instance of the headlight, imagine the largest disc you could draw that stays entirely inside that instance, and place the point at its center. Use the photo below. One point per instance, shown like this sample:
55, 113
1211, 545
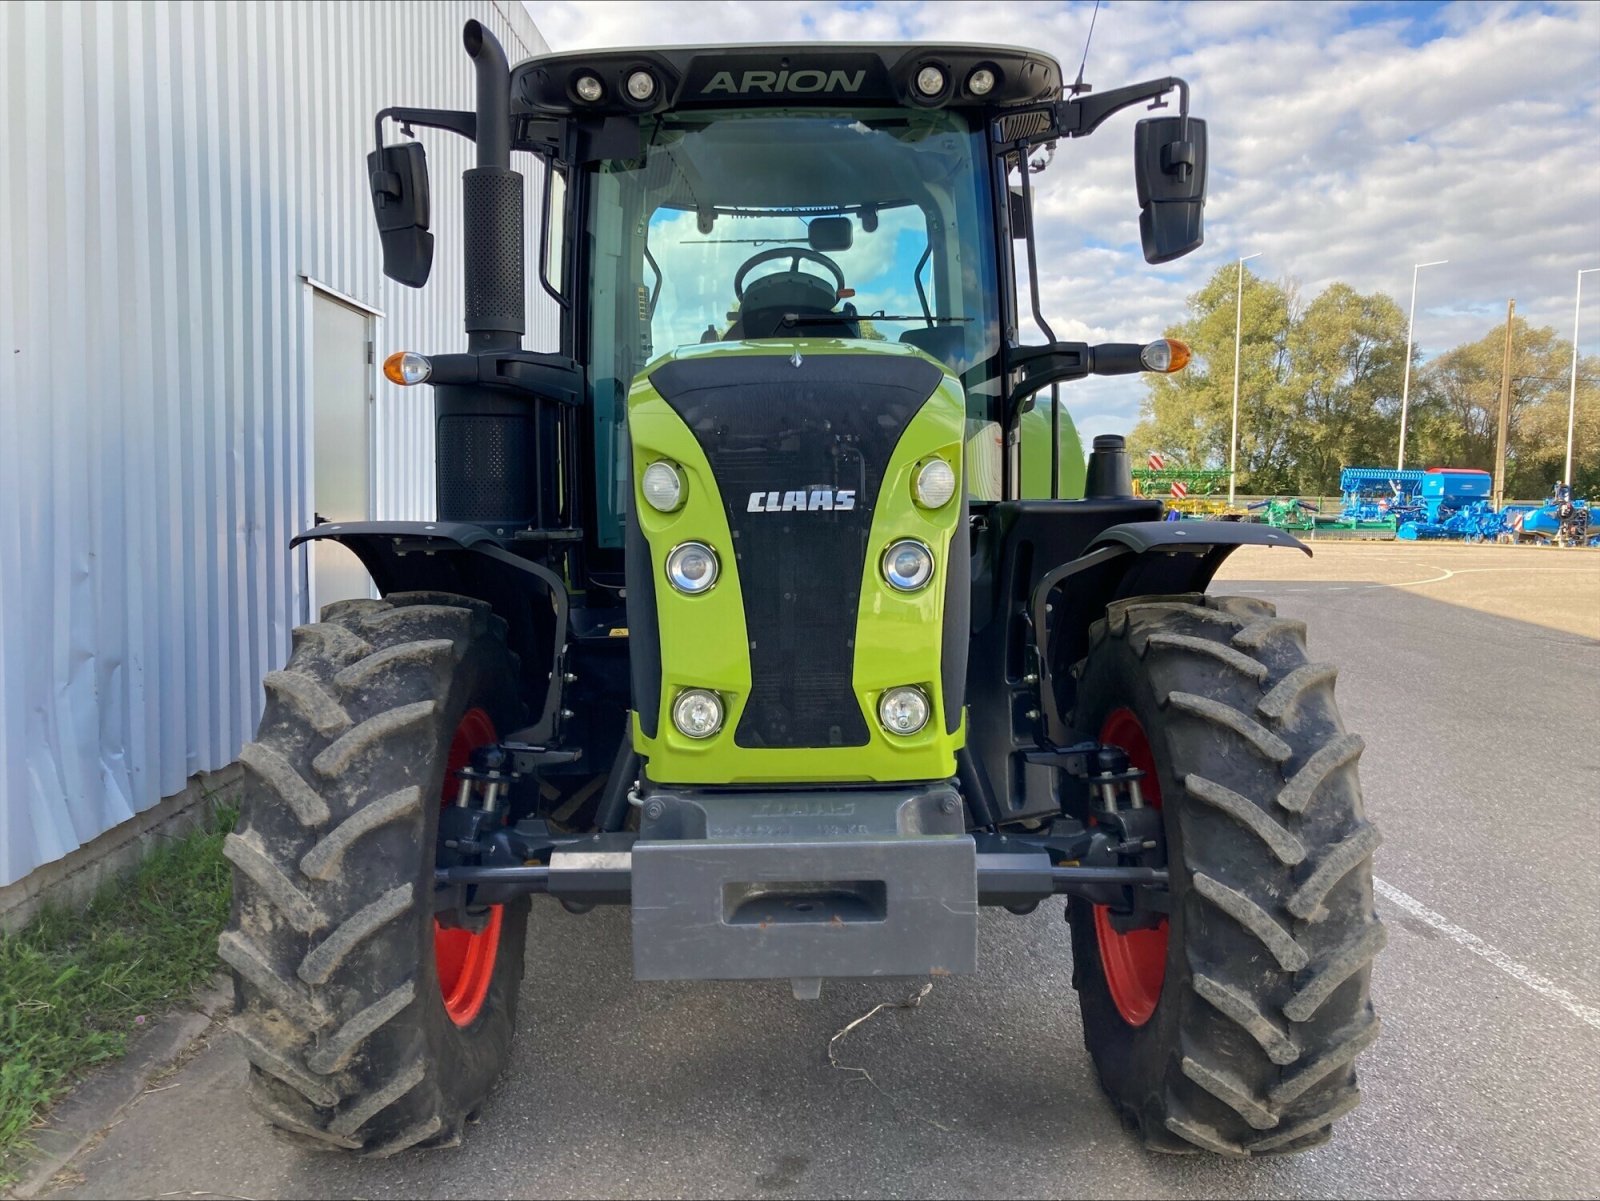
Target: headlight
930, 80
641, 85
903, 711
907, 565
981, 82
662, 486
589, 88
697, 713
934, 485
692, 567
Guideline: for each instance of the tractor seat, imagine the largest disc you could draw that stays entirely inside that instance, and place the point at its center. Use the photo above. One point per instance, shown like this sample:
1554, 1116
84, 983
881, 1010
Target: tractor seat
770, 298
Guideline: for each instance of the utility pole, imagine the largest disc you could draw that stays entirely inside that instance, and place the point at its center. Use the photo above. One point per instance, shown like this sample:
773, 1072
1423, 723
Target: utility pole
1505, 413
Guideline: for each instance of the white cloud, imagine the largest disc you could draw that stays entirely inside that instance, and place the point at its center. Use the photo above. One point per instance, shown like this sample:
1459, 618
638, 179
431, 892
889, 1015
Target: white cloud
1348, 141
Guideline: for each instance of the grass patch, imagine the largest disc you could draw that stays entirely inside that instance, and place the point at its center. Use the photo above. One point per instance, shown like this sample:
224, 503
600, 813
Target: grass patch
75, 984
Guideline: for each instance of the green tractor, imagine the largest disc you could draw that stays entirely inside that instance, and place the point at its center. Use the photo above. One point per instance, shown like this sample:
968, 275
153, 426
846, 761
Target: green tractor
779, 605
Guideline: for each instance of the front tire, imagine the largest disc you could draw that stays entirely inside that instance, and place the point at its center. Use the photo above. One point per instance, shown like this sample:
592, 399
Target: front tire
353, 1040
1238, 1036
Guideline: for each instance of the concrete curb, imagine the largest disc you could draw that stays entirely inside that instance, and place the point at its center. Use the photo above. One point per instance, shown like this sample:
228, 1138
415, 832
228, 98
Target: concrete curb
69, 882
99, 1100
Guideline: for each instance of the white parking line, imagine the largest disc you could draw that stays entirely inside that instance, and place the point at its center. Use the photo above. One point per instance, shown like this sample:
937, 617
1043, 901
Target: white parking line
1517, 971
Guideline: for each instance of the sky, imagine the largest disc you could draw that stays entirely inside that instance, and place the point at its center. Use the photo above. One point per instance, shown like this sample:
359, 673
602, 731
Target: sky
1348, 141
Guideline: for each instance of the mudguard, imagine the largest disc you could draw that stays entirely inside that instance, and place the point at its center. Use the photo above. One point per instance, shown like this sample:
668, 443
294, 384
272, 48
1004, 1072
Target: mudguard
1143, 558
465, 559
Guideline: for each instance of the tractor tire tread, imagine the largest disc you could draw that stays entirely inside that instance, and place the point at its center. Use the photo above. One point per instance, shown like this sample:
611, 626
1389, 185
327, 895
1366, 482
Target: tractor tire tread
329, 1002
1275, 857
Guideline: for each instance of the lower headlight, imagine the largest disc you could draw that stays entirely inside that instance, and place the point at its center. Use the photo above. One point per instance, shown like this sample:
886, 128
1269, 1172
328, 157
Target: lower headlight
907, 565
904, 710
692, 567
697, 713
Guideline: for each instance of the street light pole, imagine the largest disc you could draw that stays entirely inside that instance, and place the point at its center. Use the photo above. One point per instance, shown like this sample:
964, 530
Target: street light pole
1233, 440
1405, 389
1572, 394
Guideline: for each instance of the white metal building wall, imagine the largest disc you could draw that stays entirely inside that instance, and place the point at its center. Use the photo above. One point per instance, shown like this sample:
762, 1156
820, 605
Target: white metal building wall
171, 175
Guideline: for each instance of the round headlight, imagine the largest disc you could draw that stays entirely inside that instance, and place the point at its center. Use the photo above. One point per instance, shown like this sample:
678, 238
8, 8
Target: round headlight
981, 82
697, 713
641, 85
907, 565
930, 80
662, 487
692, 567
589, 88
934, 485
903, 711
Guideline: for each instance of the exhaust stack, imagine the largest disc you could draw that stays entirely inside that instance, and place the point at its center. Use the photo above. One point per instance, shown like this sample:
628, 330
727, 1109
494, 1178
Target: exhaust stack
493, 199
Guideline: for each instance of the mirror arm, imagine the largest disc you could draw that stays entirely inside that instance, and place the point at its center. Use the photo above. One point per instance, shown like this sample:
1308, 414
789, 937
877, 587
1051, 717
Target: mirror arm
1080, 117
1034, 368
465, 124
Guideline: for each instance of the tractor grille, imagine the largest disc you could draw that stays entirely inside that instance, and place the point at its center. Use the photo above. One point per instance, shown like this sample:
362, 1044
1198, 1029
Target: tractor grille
768, 426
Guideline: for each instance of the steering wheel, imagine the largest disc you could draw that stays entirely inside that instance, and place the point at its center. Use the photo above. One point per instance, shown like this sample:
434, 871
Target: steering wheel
795, 254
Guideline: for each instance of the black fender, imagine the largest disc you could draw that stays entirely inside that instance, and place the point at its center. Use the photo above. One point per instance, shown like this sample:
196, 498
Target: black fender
459, 557
1141, 558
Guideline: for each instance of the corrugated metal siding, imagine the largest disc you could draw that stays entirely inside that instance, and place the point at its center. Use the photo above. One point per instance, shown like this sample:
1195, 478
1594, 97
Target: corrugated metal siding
173, 173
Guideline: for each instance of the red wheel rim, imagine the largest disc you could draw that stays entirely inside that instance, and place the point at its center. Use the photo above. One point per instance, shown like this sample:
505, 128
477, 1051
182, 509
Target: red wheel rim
1135, 963
463, 960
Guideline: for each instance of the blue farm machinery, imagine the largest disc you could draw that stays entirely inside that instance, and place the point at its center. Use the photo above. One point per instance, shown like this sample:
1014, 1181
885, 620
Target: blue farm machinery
1377, 501
1456, 504
1560, 521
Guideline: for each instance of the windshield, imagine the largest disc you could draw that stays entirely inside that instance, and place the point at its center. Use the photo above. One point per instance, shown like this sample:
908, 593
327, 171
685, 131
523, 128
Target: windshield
770, 223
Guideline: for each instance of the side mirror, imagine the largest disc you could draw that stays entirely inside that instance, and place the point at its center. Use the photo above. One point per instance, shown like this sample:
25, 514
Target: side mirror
399, 180
1169, 167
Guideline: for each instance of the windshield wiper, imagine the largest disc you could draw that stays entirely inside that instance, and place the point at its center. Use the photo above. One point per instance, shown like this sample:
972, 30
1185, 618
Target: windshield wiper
742, 242
834, 318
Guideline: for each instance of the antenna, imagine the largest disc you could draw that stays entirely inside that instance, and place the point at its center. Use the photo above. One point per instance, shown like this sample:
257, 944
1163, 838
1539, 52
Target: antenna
1079, 87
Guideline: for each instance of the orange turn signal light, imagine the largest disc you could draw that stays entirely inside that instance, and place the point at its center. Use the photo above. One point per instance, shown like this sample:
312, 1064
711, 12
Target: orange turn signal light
407, 367
1165, 355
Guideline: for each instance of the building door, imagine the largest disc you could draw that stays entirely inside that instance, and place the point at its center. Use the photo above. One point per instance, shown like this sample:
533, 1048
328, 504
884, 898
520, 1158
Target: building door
341, 406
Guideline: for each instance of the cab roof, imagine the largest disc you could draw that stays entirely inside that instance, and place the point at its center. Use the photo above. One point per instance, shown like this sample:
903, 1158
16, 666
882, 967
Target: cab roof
816, 73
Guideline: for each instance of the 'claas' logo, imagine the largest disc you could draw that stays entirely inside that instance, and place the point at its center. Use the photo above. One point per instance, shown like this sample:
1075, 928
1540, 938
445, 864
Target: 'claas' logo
802, 501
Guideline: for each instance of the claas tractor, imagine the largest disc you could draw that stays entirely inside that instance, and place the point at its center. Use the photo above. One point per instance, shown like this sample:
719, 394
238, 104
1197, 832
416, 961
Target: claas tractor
779, 604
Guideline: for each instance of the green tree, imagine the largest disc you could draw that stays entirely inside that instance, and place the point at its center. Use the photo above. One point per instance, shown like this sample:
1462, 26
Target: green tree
1319, 389
1458, 410
1187, 416
1347, 366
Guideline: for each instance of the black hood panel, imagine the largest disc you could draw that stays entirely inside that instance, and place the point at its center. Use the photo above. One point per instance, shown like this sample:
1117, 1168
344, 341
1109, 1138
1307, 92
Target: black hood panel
776, 430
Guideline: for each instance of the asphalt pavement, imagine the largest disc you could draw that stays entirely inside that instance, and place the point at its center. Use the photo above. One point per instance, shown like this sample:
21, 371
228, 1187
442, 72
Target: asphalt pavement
1481, 769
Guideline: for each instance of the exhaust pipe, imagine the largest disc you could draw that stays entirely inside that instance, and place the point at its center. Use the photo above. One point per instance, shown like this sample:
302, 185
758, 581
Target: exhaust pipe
492, 195
494, 95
